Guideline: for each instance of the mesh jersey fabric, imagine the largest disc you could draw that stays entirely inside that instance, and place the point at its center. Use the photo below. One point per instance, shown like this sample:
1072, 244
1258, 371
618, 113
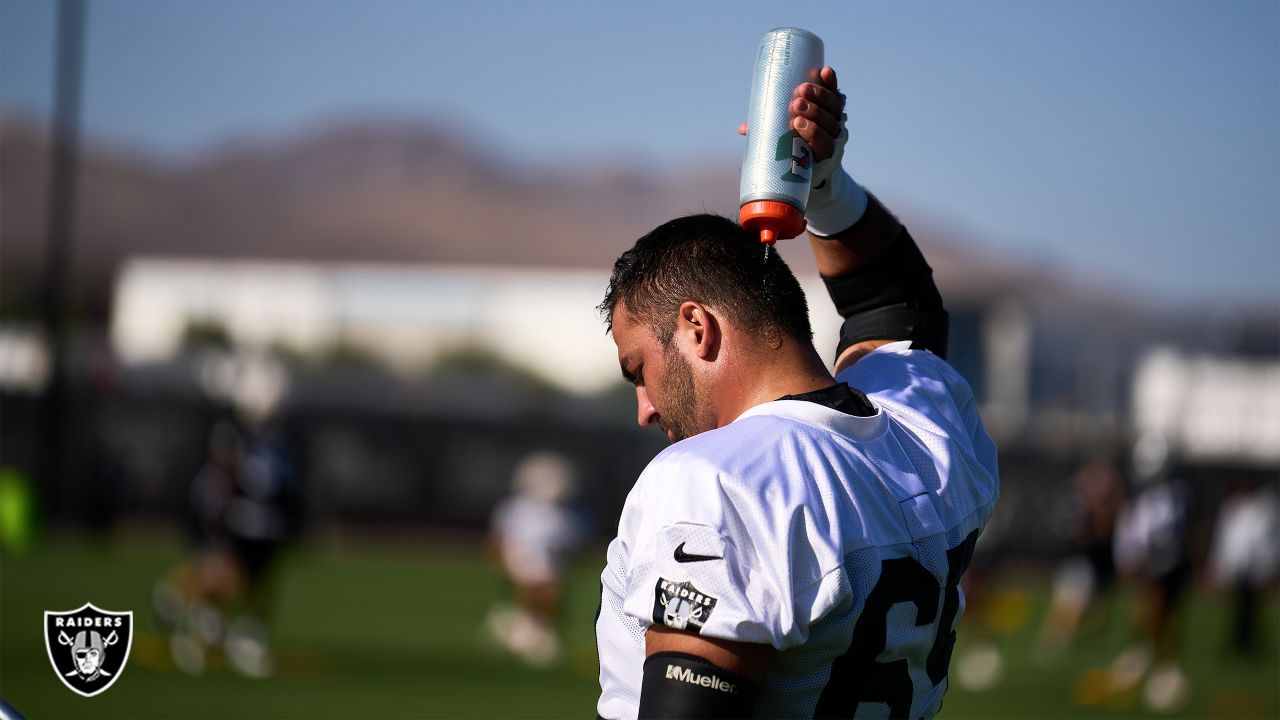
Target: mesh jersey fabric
780, 526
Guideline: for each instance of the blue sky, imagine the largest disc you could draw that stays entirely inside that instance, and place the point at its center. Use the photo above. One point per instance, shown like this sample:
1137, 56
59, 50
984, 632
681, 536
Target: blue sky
1135, 142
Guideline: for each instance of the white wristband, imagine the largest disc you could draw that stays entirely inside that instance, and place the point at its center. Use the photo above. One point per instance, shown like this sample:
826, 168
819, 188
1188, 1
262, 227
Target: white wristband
836, 202
837, 206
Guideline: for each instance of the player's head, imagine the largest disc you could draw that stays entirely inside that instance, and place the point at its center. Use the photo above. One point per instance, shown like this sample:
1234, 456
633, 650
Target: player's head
545, 476
88, 650
712, 260
690, 273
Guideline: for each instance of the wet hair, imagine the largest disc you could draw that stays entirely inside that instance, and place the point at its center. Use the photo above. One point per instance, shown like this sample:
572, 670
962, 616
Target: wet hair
712, 260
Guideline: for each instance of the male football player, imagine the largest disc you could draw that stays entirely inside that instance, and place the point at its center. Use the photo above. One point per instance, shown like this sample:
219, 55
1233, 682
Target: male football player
798, 550
533, 536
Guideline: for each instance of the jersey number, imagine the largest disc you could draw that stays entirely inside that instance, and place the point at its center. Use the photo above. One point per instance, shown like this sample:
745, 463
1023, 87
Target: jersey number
857, 677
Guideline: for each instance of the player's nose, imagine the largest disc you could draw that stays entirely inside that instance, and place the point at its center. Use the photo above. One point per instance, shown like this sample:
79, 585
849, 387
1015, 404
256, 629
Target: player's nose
646, 414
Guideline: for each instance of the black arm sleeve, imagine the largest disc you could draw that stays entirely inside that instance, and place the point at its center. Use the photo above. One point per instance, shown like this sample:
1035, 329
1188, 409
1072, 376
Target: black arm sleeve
893, 297
679, 685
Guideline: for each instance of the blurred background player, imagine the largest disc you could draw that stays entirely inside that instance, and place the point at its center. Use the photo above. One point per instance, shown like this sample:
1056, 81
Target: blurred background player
533, 535
1087, 517
1245, 556
244, 505
1151, 550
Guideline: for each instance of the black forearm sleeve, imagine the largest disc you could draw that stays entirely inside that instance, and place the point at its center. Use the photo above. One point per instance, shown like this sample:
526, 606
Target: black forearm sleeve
678, 685
891, 298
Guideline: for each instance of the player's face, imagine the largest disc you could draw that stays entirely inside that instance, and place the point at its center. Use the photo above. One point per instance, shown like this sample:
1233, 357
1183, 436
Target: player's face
666, 389
680, 398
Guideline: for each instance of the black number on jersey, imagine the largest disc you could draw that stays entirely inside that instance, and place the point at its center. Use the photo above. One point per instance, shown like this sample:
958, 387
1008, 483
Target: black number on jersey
856, 676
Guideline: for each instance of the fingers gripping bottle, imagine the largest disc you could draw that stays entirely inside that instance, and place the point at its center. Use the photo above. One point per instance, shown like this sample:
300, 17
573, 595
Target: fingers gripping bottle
778, 165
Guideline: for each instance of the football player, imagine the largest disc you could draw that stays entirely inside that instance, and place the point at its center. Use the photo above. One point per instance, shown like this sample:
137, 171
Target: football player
798, 550
533, 535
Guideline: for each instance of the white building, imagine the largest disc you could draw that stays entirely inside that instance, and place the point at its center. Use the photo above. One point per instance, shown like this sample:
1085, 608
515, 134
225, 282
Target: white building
405, 315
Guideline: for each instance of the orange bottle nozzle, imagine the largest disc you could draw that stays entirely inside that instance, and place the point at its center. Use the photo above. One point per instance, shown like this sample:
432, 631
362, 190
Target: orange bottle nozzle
773, 220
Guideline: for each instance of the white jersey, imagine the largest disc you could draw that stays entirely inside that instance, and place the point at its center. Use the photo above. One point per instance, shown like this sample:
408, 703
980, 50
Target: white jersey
535, 537
838, 540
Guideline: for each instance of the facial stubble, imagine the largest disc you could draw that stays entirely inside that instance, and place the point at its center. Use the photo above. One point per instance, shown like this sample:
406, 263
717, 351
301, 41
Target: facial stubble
683, 415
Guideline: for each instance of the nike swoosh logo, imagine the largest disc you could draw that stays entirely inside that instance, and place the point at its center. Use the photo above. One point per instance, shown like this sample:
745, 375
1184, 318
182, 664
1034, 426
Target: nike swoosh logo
684, 557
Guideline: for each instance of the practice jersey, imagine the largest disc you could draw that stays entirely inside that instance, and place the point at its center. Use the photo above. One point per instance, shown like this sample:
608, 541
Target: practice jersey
536, 537
839, 540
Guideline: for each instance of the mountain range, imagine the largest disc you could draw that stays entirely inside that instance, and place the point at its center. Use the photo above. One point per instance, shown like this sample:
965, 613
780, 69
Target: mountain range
371, 191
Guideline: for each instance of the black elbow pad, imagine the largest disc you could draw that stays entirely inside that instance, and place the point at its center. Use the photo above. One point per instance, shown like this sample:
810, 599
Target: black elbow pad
893, 297
679, 685
926, 329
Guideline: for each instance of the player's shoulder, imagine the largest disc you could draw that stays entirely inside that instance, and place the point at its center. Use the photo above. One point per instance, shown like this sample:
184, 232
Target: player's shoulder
916, 387
889, 365
711, 456
695, 476
762, 459
746, 449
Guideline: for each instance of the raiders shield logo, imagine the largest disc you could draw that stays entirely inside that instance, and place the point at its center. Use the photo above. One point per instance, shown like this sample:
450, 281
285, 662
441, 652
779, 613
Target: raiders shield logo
88, 646
681, 605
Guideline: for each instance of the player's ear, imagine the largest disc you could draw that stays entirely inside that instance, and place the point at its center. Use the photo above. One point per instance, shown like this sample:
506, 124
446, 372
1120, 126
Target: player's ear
699, 328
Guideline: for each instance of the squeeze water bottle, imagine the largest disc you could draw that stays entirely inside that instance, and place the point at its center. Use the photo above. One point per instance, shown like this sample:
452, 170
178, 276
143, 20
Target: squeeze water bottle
778, 165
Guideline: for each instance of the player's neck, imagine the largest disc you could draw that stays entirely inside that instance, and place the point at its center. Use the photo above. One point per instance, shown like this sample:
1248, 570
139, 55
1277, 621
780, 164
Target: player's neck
792, 369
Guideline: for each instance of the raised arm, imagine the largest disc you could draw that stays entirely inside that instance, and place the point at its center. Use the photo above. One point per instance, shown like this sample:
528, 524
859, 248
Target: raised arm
873, 270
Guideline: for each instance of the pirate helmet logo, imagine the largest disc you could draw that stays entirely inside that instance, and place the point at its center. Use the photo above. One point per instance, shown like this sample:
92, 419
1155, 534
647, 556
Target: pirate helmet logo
681, 606
88, 647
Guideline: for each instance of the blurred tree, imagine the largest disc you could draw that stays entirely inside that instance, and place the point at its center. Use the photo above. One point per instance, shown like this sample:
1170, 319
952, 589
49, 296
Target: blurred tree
477, 362
206, 334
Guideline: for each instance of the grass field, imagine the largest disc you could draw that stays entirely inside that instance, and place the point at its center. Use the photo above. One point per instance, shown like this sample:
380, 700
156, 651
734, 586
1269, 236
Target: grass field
389, 631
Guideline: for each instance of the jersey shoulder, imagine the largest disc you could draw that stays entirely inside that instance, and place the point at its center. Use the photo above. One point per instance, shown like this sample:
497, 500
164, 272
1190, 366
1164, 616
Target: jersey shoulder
898, 372
919, 389
693, 475
757, 450
783, 468
936, 415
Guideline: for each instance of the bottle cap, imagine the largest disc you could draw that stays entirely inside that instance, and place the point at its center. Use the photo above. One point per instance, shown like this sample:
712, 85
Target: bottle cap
773, 220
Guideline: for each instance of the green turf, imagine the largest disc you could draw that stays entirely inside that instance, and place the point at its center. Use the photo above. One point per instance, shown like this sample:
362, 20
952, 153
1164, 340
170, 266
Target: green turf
375, 632
1222, 685
393, 631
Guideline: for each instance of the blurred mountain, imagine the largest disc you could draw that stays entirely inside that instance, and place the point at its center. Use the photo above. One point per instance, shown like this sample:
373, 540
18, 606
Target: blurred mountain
370, 191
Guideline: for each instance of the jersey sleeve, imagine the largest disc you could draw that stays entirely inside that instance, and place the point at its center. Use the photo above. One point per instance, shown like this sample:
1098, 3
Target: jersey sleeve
926, 396
919, 387
694, 566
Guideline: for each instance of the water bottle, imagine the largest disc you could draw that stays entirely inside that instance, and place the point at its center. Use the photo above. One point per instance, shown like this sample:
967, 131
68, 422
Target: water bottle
778, 165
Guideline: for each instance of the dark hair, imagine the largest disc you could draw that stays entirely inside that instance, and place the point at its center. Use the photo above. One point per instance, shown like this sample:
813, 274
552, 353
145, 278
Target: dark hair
712, 260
